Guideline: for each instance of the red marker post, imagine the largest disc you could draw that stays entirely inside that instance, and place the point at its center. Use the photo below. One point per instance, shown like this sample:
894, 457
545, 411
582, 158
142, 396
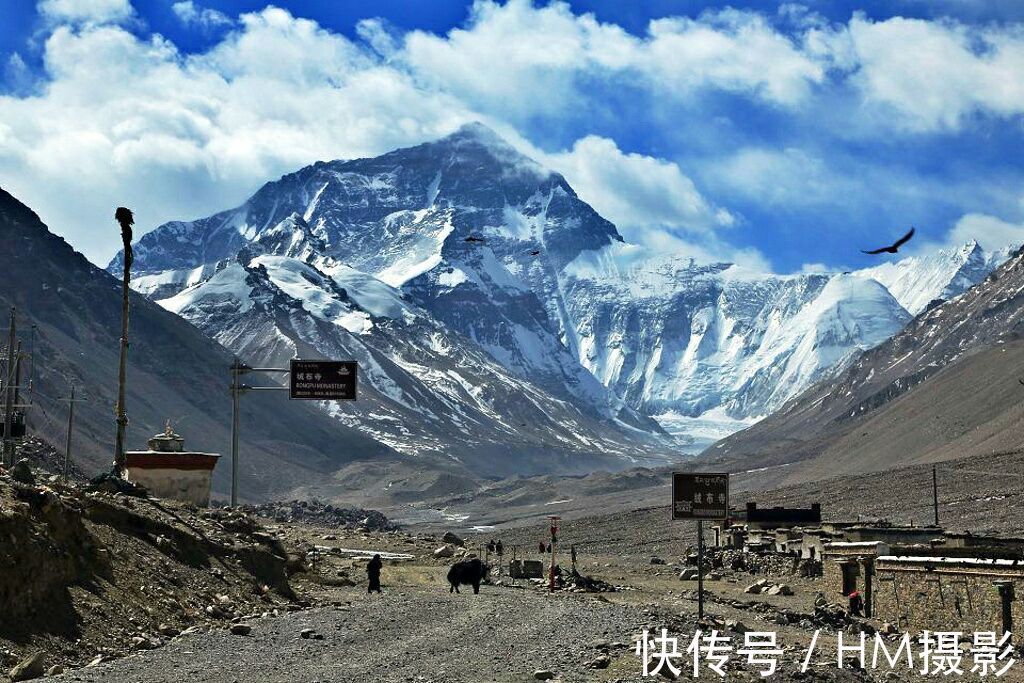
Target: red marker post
554, 540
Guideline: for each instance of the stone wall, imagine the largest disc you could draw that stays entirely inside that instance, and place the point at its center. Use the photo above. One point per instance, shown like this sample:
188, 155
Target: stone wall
945, 597
192, 486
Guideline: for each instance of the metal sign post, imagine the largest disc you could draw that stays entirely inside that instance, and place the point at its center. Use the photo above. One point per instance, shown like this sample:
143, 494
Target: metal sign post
700, 496
316, 380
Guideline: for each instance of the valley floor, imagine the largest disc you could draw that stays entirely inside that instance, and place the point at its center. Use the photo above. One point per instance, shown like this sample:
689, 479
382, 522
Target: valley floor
416, 631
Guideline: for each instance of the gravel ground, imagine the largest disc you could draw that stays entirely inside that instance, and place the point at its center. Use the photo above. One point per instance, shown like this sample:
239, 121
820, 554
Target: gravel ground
415, 634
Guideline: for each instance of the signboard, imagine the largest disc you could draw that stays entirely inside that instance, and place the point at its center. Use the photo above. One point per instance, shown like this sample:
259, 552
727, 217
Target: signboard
323, 380
700, 495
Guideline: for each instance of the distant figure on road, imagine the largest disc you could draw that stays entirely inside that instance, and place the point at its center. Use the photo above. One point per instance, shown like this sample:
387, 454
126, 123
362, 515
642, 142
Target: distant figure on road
373, 574
541, 547
490, 546
572, 553
856, 604
499, 548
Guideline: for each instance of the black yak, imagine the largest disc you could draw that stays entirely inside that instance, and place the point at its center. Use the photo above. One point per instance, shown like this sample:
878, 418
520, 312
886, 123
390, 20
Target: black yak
467, 573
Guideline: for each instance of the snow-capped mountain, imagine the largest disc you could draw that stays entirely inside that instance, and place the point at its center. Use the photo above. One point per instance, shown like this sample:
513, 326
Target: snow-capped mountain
918, 281
463, 253
711, 349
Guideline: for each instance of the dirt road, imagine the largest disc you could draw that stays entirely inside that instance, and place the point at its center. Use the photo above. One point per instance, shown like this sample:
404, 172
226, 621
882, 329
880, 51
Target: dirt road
410, 634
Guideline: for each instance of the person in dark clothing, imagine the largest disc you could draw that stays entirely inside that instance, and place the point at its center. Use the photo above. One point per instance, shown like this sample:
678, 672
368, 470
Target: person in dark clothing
856, 604
541, 547
373, 574
499, 548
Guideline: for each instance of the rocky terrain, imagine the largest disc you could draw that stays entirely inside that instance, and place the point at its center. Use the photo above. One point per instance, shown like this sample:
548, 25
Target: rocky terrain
174, 371
153, 591
88, 573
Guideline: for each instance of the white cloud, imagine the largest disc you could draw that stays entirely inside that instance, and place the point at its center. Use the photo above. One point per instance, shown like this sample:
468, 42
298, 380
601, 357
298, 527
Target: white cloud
729, 50
129, 121
633, 190
781, 177
928, 76
204, 18
990, 232
83, 11
650, 200
525, 59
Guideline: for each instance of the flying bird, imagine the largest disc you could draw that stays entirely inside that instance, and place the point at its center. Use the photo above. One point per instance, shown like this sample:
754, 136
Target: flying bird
535, 252
893, 248
474, 238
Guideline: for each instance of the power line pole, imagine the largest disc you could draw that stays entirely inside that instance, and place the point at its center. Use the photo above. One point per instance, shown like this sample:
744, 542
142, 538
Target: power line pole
125, 218
935, 493
236, 394
71, 422
7, 457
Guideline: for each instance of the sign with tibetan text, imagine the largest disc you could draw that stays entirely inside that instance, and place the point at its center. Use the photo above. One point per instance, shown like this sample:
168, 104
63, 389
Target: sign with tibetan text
700, 495
323, 380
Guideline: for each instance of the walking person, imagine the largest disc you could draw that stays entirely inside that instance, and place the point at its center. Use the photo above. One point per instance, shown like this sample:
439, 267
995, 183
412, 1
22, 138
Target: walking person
856, 604
373, 574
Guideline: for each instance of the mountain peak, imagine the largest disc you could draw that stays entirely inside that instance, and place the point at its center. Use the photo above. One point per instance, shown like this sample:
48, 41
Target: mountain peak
474, 130
477, 137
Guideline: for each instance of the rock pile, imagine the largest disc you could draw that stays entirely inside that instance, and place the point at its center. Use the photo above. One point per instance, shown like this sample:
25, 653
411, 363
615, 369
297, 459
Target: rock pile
766, 587
322, 514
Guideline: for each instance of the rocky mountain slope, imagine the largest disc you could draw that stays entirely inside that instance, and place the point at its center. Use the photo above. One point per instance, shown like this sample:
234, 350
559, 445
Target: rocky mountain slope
174, 371
945, 386
467, 235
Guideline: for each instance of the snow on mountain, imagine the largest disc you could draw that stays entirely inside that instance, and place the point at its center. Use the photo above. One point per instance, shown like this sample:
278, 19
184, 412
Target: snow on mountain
709, 349
917, 281
465, 247
423, 389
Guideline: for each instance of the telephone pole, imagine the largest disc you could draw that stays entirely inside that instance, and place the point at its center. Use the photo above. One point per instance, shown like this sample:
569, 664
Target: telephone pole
71, 421
935, 493
125, 218
7, 457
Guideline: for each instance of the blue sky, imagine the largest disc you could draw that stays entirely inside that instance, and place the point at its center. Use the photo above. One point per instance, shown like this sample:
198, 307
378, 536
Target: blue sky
783, 135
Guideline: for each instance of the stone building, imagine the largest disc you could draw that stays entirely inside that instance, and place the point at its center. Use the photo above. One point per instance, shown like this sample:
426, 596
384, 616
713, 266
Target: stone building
949, 593
167, 470
849, 566
893, 534
779, 517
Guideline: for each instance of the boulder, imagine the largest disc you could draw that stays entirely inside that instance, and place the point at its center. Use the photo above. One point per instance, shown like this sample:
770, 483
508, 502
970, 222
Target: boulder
688, 574
22, 473
444, 551
241, 629
736, 626
452, 539
30, 667
543, 674
657, 560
